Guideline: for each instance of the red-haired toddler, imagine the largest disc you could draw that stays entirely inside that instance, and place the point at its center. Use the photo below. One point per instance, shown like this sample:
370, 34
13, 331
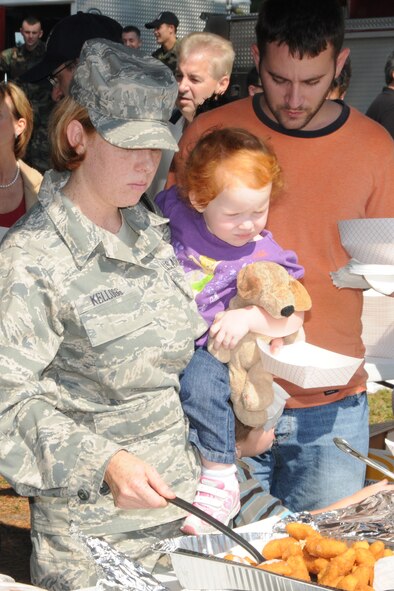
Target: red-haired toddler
217, 222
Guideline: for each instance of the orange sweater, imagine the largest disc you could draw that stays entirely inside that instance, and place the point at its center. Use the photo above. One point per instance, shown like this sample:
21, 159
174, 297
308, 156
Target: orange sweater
341, 172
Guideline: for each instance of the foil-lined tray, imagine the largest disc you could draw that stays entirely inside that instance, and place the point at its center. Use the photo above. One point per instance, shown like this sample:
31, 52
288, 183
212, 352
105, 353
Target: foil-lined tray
197, 567
196, 571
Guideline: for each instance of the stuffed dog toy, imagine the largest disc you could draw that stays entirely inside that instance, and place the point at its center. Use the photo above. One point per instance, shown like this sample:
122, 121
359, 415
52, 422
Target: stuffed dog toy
271, 287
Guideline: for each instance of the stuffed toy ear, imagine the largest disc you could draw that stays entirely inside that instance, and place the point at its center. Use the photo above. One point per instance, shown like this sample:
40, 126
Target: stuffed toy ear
302, 300
248, 283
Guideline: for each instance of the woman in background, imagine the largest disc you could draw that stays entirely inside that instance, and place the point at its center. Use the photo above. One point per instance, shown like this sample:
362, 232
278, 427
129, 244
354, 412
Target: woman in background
19, 183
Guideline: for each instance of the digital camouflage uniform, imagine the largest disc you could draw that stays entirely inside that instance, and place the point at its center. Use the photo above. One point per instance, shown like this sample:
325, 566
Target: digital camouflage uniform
15, 61
169, 58
94, 334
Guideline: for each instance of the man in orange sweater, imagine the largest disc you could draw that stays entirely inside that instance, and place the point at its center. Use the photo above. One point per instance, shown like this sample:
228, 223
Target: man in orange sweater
337, 164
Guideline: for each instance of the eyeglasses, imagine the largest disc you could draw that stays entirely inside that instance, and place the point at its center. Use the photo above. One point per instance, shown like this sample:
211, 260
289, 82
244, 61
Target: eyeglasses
52, 78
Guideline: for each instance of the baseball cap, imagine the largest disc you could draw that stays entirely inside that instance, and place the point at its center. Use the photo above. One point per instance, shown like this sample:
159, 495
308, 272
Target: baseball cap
169, 18
65, 41
129, 95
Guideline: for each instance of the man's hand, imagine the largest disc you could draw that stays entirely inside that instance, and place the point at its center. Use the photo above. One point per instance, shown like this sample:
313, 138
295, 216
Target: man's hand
135, 484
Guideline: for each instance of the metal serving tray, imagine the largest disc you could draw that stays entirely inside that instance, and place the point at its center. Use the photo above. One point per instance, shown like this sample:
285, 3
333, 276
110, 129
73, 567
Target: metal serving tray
196, 567
196, 571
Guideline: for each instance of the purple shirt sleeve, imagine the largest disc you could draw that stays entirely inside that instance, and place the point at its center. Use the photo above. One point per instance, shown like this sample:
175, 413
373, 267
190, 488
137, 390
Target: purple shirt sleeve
211, 265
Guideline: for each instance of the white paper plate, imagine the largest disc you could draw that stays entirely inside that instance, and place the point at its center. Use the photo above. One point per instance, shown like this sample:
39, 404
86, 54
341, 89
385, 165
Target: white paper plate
309, 366
364, 269
382, 284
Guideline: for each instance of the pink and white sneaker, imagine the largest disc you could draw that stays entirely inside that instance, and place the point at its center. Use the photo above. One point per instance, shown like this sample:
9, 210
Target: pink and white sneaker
219, 498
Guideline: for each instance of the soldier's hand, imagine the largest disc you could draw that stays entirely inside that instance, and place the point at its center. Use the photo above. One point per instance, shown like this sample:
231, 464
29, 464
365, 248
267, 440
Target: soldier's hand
134, 484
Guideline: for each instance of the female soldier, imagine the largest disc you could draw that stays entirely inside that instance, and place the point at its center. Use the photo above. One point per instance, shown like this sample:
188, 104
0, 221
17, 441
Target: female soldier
96, 324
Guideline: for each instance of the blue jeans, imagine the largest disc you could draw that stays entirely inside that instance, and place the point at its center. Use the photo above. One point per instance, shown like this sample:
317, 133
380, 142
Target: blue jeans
205, 394
304, 468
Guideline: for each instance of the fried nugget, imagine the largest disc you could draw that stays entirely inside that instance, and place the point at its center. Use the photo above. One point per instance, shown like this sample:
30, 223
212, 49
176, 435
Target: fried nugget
313, 564
292, 550
364, 556
319, 566
240, 559
300, 531
347, 583
361, 544
275, 548
330, 576
345, 561
325, 547
364, 574
280, 567
298, 568
377, 549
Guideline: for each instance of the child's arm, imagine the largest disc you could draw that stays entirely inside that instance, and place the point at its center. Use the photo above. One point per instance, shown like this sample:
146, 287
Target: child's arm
231, 326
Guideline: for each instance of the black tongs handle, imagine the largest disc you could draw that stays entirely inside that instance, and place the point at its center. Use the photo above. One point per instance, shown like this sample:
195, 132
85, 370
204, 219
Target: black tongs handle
227, 531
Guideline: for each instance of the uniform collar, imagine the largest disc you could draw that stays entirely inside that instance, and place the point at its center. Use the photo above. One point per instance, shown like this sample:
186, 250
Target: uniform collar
83, 237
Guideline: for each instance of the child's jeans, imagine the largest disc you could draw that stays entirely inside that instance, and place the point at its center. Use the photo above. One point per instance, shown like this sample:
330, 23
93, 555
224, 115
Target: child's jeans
205, 394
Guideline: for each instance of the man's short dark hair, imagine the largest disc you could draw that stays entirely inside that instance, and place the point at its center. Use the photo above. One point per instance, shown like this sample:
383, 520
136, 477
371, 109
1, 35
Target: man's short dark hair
31, 20
305, 26
389, 69
132, 29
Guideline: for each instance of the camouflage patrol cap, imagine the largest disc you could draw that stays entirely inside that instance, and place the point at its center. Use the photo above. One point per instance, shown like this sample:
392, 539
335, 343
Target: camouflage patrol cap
129, 96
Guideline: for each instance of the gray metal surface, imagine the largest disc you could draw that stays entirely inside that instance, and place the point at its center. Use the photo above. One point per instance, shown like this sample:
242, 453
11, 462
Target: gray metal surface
129, 12
370, 24
242, 36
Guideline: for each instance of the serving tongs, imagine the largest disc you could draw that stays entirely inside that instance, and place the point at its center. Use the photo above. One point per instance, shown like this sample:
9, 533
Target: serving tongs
343, 445
227, 531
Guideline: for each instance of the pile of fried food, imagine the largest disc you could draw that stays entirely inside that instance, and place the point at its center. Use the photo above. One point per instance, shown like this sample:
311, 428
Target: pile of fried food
307, 555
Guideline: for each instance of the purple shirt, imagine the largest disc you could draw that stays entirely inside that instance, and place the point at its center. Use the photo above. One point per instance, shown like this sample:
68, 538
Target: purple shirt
211, 265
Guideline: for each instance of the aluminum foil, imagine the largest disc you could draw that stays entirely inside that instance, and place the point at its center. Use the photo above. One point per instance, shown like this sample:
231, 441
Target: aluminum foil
208, 544
372, 518
119, 572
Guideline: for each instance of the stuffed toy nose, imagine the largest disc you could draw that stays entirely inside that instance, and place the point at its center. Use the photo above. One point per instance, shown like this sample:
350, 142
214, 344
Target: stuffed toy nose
287, 311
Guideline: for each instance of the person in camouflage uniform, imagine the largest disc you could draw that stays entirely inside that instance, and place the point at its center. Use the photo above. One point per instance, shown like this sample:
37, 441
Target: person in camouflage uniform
165, 27
14, 62
97, 323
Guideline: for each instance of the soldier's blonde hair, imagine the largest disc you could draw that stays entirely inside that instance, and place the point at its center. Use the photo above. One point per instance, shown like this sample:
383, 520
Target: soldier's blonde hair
64, 156
20, 109
219, 51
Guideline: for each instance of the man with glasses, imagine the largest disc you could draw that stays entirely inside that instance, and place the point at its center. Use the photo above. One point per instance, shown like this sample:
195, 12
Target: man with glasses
14, 62
61, 79
64, 45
